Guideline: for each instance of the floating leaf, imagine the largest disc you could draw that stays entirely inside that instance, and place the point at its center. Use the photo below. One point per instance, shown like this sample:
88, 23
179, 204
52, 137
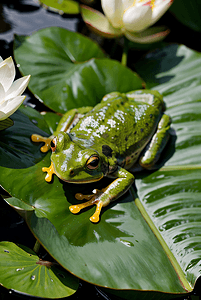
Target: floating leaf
17, 150
21, 270
68, 70
62, 6
148, 245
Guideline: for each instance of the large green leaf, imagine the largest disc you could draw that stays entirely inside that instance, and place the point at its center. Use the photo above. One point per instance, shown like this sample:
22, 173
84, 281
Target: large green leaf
172, 196
22, 270
16, 150
68, 69
150, 243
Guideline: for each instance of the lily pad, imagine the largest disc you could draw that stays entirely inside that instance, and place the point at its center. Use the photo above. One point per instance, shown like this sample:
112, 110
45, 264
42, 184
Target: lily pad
147, 242
62, 6
17, 151
69, 70
21, 270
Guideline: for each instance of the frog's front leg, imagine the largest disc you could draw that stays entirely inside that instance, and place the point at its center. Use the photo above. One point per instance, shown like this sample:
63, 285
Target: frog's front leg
102, 198
157, 143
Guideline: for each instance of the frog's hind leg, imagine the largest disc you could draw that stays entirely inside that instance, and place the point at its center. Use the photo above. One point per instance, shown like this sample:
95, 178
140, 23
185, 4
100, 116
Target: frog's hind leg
157, 144
47, 140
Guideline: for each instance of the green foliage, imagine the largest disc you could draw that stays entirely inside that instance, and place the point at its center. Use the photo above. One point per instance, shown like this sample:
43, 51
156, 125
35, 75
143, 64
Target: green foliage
172, 195
22, 270
69, 70
148, 242
62, 6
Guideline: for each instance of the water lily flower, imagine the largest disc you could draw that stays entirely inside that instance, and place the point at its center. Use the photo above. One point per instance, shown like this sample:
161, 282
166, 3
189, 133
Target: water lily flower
131, 18
10, 90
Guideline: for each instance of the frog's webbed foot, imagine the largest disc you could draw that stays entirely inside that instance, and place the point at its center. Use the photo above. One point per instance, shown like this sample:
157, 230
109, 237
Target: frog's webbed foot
50, 171
103, 197
92, 199
47, 140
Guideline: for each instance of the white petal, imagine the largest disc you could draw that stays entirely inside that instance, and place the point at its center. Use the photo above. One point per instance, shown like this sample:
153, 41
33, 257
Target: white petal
3, 116
113, 10
4, 75
128, 3
137, 18
10, 106
159, 9
7, 73
1, 59
2, 94
18, 87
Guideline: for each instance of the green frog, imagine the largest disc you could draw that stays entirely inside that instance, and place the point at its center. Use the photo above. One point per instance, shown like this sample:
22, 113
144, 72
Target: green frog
122, 131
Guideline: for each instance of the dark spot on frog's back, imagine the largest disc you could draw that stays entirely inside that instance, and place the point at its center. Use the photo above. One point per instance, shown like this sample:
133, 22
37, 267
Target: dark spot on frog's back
107, 151
105, 135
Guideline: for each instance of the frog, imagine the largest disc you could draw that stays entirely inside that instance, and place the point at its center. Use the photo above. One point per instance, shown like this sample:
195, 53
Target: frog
121, 132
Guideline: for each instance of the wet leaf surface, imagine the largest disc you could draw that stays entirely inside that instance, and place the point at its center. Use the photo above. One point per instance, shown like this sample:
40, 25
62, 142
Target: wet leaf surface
139, 240
22, 270
69, 70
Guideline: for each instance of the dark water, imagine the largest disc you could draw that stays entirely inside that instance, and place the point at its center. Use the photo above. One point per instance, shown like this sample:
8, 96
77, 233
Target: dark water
23, 17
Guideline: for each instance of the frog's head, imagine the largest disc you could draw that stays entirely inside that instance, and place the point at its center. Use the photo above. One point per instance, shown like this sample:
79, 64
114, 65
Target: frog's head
73, 163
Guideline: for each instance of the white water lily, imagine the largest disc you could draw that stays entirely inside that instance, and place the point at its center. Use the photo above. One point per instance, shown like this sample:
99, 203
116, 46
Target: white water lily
10, 90
131, 18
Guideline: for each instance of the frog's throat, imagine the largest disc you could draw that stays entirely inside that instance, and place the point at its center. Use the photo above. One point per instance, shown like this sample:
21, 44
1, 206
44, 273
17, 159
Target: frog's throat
82, 181
50, 171
38, 138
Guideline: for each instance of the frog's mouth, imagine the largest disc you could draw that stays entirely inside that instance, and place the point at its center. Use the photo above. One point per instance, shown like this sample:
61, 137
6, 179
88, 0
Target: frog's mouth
82, 181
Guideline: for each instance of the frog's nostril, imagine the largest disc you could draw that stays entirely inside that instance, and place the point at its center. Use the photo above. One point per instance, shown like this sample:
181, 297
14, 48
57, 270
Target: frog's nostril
71, 172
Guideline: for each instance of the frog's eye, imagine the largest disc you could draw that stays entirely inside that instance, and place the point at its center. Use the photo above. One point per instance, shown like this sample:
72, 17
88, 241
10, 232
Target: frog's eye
53, 144
93, 162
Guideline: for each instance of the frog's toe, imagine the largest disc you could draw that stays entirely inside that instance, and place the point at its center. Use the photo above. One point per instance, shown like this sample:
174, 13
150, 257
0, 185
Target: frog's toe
50, 172
96, 216
38, 138
75, 209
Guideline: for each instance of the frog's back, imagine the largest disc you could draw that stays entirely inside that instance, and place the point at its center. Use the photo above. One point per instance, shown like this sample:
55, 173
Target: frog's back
125, 125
